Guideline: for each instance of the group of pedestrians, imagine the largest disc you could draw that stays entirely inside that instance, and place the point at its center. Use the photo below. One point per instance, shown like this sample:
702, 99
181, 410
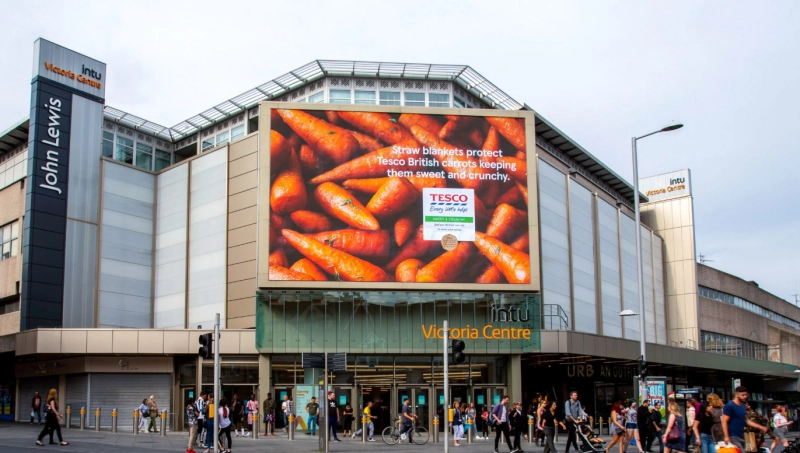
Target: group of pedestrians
200, 415
148, 410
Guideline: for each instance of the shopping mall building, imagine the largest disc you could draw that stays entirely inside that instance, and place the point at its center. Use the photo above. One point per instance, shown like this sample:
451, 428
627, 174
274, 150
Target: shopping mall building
122, 238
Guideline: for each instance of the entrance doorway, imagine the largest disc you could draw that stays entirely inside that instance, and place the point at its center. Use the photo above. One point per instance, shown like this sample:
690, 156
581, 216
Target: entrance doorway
487, 396
419, 398
278, 393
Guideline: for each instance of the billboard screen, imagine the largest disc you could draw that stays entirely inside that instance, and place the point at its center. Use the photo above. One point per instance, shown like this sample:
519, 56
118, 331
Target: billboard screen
387, 196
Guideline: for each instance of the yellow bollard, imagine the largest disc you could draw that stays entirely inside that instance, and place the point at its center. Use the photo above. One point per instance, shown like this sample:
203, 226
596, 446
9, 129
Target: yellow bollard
290, 418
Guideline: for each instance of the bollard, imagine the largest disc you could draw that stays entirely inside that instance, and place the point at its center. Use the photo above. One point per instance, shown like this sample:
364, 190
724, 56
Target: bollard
136, 421
469, 427
97, 419
436, 429
555, 431
68, 418
531, 429
163, 423
364, 421
290, 418
600, 429
114, 420
83, 418
254, 432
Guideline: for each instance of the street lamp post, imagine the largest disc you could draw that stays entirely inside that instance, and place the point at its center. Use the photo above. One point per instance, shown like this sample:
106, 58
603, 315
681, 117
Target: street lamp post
642, 339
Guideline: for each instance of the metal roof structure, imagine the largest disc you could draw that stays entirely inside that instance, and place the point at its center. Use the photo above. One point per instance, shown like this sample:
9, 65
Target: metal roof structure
14, 136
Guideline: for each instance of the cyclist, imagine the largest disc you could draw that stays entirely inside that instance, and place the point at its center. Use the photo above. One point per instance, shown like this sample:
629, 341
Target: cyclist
408, 420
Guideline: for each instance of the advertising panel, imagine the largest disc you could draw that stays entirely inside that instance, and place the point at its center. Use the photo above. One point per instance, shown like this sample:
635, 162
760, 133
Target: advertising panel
674, 184
394, 197
657, 393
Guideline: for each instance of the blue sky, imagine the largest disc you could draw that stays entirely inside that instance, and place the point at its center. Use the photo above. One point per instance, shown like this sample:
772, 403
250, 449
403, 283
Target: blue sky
601, 71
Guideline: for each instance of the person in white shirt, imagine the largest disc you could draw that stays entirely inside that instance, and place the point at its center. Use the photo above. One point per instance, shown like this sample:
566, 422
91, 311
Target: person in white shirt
224, 414
781, 428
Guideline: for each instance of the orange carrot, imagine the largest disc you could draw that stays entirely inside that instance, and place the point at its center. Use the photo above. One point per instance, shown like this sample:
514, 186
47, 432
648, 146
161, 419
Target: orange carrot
277, 221
378, 125
416, 247
367, 143
448, 267
482, 215
392, 198
278, 257
368, 185
513, 129
453, 123
360, 243
341, 204
333, 117
407, 270
404, 227
333, 142
279, 273
288, 192
426, 122
476, 135
507, 222
468, 171
493, 188
492, 142
279, 150
517, 168
273, 238
311, 222
492, 274
367, 166
512, 196
524, 191
341, 265
307, 267
515, 265
311, 162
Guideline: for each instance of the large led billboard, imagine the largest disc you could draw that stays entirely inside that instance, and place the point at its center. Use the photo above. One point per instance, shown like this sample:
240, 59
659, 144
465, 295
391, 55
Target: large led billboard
397, 198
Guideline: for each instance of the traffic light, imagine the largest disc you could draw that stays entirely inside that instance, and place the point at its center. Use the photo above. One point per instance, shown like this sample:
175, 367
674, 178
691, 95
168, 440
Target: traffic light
457, 351
206, 350
642, 369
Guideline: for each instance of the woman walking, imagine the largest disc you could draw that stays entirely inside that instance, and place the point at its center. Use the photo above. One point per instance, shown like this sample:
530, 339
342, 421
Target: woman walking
484, 423
252, 408
519, 421
617, 428
703, 424
224, 413
547, 423
144, 414
457, 424
631, 428
781, 428
51, 420
675, 420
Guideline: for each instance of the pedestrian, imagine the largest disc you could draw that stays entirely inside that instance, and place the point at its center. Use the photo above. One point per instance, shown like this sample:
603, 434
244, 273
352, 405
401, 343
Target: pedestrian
408, 419
759, 420
51, 420
36, 407
286, 406
191, 420
690, 417
251, 408
347, 422
617, 428
237, 415
200, 405
369, 425
702, 428
632, 427
484, 423
781, 428
655, 427
643, 425
500, 416
471, 413
152, 408
573, 415
519, 421
209, 416
312, 409
269, 415
333, 417
734, 418
547, 424
224, 413
675, 420
457, 424
544, 405
144, 415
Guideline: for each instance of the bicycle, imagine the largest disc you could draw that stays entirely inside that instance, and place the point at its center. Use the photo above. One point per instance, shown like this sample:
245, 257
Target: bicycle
391, 434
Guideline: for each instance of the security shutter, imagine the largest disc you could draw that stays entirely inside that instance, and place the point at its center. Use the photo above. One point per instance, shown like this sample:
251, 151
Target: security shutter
126, 392
76, 397
27, 387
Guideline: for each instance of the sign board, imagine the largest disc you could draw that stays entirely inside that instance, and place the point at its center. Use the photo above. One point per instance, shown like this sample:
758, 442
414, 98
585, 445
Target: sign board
448, 212
674, 184
688, 391
337, 361
657, 392
69, 68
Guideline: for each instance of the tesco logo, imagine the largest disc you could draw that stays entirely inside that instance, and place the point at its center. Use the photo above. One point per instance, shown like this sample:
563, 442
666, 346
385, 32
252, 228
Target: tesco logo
449, 198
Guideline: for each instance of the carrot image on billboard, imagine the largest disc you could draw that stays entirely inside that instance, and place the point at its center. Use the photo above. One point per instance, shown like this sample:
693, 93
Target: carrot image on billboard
368, 197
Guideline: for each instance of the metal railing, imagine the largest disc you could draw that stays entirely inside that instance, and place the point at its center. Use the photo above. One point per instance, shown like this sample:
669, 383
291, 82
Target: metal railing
554, 317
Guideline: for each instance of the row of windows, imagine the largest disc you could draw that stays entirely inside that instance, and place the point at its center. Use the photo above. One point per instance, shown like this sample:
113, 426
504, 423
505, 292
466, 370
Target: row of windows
747, 305
360, 97
735, 346
9, 240
142, 155
223, 137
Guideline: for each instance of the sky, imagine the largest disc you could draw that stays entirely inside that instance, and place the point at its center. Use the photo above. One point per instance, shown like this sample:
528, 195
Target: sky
602, 72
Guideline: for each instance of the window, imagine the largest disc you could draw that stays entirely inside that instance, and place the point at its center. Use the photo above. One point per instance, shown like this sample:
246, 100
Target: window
9, 307
124, 151
222, 137
9, 240
439, 100
163, 160
340, 97
735, 346
108, 144
237, 132
365, 97
317, 98
390, 98
144, 156
207, 144
415, 99
745, 304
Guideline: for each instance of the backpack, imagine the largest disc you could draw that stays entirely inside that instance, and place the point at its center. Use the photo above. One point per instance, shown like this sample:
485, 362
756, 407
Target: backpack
145, 411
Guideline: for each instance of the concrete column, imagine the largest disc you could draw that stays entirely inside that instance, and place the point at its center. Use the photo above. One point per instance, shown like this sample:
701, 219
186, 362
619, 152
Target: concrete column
515, 377
62, 395
264, 375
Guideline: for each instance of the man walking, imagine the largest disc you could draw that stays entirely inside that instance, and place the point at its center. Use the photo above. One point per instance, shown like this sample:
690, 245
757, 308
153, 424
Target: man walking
500, 415
152, 407
734, 417
333, 417
369, 425
408, 420
269, 415
209, 416
288, 409
200, 406
191, 420
642, 424
573, 415
312, 408
36, 407
655, 428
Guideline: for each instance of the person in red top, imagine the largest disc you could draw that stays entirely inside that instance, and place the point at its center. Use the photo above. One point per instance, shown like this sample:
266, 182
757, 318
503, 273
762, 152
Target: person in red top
36, 407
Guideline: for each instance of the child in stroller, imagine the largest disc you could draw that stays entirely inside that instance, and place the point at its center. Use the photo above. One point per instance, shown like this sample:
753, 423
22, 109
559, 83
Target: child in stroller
590, 441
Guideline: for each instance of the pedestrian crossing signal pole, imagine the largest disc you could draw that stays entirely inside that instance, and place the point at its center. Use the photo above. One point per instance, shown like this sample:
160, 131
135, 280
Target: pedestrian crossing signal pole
216, 383
446, 358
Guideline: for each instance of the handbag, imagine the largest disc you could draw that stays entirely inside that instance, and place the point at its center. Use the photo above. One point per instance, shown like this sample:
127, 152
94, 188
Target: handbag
674, 434
750, 442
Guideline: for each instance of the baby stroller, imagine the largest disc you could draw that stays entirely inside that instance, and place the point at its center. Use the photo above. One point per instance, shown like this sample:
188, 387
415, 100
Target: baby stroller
590, 441
794, 447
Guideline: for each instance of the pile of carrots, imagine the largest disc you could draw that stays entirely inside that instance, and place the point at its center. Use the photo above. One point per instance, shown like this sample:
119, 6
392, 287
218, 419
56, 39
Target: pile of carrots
337, 215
